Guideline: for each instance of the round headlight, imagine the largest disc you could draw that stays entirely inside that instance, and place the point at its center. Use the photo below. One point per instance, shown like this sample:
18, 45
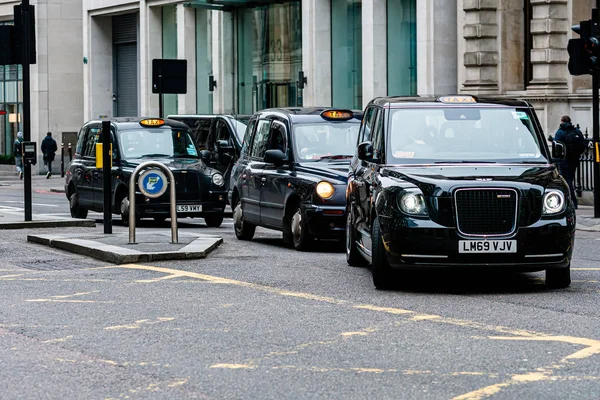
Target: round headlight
218, 179
554, 202
325, 190
412, 203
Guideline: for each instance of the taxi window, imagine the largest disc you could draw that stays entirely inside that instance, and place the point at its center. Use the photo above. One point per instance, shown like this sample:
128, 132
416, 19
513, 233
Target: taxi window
156, 143
261, 139
89, 146
490, 134
325, 141
247, 138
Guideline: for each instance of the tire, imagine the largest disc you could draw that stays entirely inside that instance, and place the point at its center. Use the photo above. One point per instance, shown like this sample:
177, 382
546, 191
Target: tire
243, 230
301, 237
213, 221
76, 210
382, 273
124, 211
353, 257
558, 278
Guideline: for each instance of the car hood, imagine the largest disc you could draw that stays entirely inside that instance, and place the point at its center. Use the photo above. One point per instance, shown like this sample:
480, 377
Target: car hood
442, 179
334, 172
174, 164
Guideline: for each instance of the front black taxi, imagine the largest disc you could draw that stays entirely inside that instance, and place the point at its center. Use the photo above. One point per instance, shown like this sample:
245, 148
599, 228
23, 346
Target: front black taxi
292, 172
200, 190
457, 182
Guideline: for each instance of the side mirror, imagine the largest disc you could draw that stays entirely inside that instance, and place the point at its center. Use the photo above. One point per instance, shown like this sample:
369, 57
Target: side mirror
223, 147
205, 156
275, 156
365, 151
558, 150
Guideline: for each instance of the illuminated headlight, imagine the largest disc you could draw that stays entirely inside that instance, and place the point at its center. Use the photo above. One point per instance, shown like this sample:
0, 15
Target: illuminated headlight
412, 203
218, 179
554, 202
325, 190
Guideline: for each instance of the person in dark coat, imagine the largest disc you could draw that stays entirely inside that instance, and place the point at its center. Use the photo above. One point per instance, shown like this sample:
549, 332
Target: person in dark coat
18, 151
49, 148
574, 142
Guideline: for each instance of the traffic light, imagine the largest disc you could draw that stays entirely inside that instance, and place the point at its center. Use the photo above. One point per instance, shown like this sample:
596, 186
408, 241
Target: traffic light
584, 52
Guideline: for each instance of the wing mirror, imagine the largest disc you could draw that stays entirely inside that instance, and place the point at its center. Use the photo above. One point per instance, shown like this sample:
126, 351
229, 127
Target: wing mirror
275, 156
205, 156
223, 147
558, 150
365, 151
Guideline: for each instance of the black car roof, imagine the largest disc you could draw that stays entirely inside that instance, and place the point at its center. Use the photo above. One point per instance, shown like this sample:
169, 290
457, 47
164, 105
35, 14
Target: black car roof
123, 123
305, 114
399, 101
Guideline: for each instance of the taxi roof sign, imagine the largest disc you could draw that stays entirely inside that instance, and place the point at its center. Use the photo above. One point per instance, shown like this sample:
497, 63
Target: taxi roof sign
457, 99
339, 115
149, 122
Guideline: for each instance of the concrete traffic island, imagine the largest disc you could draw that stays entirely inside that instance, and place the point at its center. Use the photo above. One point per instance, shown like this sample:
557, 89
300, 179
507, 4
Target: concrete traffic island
114, 248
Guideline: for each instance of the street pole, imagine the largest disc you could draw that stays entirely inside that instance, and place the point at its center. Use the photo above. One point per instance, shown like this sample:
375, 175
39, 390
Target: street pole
596, 124
160, 94
107, 176
25, 61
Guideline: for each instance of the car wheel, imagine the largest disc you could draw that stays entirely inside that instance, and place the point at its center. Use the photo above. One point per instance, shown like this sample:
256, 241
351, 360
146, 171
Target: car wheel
76, 210
382, 273
124, 210
301, 238
353, 257
243, 230
558, 278
213, 221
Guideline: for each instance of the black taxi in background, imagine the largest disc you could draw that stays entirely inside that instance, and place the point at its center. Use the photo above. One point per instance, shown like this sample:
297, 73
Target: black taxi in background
457, 182
292, 172
200, 190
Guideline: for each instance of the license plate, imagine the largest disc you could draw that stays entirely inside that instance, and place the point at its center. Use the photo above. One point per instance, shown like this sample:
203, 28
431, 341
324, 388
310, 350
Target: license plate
186, 208
487, 246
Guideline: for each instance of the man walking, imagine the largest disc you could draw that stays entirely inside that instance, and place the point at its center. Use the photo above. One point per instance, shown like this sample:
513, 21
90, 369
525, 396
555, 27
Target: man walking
49, 148
18, 151
575, 145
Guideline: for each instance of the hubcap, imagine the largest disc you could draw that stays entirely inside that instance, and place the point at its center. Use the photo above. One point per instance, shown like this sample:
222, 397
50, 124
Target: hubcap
237, 217
125, 206
297, 226
348, 233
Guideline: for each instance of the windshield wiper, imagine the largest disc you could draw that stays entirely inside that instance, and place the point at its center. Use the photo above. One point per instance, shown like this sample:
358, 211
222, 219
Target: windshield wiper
336, 157
466, 162
157, 155
184, 156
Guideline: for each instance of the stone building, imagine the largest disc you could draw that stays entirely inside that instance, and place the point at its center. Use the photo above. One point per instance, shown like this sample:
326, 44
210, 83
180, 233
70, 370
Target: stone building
95, 56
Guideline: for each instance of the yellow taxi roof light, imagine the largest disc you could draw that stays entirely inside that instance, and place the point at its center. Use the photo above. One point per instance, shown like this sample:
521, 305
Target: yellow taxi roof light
152, 122
457, 99
340, 115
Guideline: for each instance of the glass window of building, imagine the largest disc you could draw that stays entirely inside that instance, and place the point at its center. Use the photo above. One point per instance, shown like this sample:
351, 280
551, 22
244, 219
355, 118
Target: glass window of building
402, 47
269, 42
11, 97
204, 97
169, 50
346, 53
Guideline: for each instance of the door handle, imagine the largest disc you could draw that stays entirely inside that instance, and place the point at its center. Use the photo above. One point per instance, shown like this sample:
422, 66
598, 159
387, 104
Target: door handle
263, 180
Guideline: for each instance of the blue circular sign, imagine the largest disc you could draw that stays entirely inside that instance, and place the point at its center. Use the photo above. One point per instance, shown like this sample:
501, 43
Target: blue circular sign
152, 183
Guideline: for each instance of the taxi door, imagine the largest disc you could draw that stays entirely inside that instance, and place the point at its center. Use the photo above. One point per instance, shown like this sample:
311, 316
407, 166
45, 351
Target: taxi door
252, 173
98, 176
275, 179
84, 176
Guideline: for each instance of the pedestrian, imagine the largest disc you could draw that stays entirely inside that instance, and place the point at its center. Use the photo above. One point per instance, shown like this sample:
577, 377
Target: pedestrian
18, 151
575, 145
49, 149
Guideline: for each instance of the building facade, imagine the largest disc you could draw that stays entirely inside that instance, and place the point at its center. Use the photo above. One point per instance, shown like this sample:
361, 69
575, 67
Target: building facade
56, 77
95, 56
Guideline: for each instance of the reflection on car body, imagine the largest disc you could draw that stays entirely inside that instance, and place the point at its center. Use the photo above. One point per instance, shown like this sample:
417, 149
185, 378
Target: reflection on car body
292, 173
200, 190
456, 182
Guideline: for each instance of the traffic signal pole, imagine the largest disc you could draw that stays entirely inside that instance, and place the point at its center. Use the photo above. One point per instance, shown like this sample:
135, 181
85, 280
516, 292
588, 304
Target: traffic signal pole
25, 39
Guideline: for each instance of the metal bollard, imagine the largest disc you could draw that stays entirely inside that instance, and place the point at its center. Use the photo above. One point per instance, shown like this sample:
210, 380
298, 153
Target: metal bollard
62, 160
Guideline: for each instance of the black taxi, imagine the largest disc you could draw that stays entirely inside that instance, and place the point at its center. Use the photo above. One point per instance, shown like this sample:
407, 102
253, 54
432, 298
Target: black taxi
200, 190
457, 181
292, 172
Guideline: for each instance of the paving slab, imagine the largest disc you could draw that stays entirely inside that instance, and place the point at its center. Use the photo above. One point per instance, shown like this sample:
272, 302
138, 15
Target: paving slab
115, 248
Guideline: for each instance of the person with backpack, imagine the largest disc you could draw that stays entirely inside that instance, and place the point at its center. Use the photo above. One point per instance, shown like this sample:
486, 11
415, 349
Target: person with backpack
575, 145
49, 148
18, 151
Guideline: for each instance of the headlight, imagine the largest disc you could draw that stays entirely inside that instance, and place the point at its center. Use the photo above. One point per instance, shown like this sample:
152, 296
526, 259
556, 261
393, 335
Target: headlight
325, 190
218, 179
554, 202
412, 203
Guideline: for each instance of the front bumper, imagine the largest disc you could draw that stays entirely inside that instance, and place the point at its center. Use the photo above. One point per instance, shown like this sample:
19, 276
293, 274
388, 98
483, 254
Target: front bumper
214, 204
327, 222
414, 243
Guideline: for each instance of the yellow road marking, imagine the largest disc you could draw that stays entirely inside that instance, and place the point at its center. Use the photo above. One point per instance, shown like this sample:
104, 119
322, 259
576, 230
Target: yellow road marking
11, 276
59, 340
138, 324
65, 301
157, 279
592, 346
73, 295
585, 269
233, 366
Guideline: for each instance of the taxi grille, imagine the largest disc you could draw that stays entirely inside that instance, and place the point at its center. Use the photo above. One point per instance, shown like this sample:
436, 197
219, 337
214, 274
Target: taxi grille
482, 212
187, 186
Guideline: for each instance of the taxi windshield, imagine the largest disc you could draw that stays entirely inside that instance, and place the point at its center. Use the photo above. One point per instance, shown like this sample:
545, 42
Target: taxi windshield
325, 141
462, 134
156, 143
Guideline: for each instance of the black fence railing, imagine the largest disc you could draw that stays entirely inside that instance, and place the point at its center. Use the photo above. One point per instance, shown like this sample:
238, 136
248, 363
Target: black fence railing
584, 177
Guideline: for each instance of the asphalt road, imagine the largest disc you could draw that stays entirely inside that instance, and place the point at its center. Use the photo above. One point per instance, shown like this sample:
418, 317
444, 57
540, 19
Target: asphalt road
256, 320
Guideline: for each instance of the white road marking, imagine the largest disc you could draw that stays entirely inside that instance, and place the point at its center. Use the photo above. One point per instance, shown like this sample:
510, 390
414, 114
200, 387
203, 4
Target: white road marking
34, 204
